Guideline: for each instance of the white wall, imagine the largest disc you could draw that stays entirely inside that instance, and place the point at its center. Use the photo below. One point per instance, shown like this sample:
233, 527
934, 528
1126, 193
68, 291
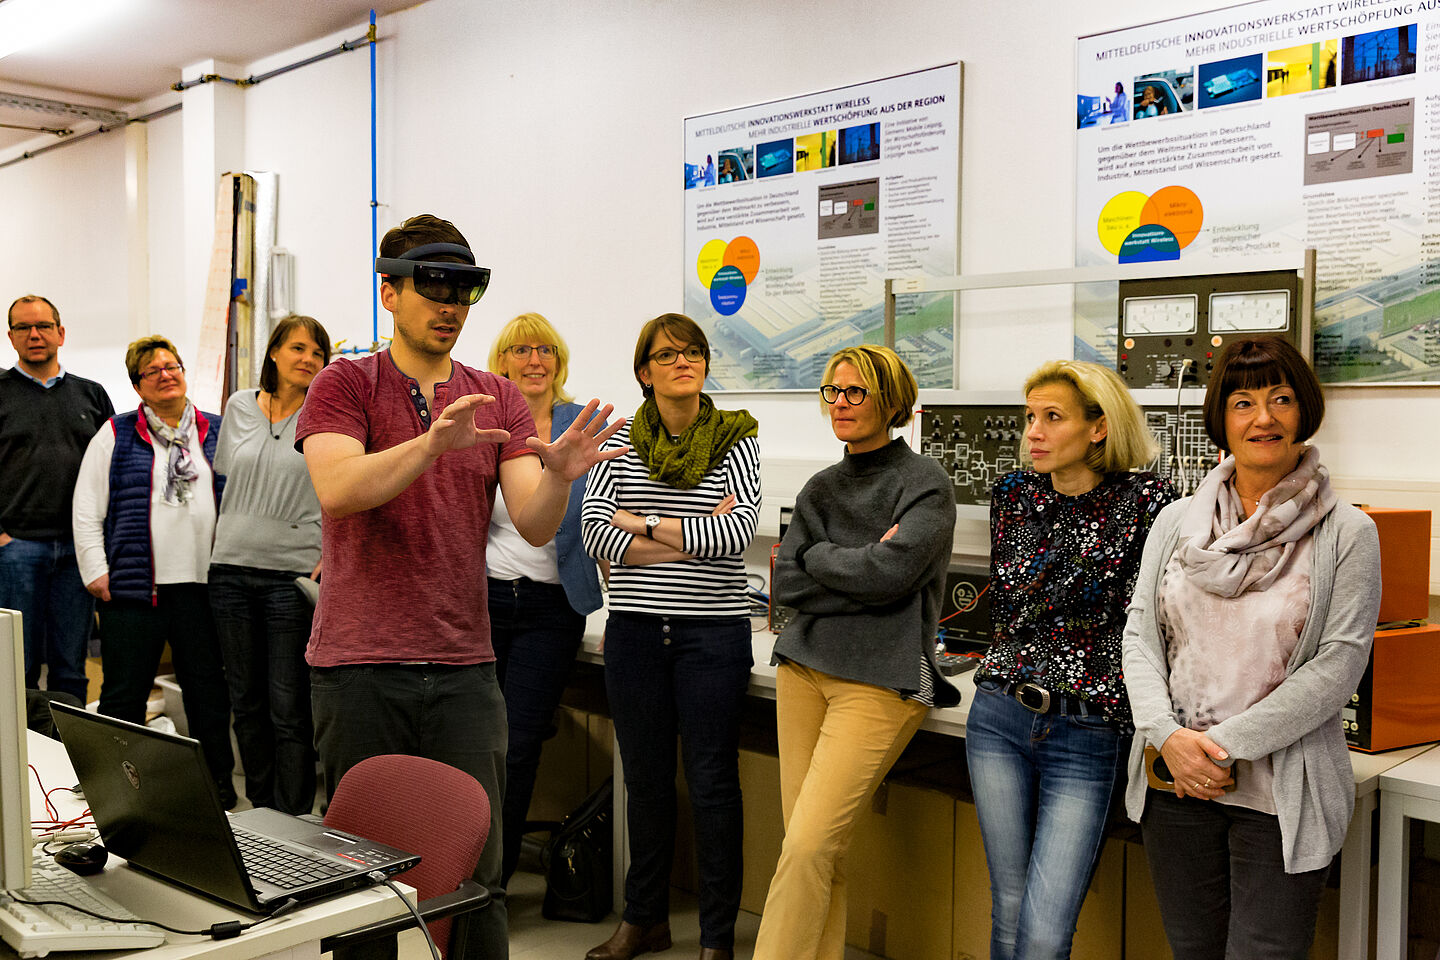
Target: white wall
65, 239
549, 131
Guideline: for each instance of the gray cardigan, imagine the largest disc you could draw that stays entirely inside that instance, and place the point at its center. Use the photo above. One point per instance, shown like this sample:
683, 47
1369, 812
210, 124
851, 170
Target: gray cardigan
1298, 724
867, 610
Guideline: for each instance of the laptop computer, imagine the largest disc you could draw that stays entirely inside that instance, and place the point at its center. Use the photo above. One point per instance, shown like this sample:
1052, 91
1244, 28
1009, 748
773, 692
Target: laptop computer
156, 805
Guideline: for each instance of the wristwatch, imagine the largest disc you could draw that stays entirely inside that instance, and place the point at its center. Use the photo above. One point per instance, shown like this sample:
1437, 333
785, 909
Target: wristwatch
651, 522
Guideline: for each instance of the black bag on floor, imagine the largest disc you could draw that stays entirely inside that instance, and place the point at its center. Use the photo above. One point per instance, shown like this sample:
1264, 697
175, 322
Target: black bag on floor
578, 873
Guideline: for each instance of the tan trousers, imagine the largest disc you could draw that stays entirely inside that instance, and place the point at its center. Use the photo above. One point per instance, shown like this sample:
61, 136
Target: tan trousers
838, 739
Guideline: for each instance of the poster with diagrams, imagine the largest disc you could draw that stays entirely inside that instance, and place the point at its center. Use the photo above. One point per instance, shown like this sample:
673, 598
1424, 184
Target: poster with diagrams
796, 211
1374, 140
1262, 129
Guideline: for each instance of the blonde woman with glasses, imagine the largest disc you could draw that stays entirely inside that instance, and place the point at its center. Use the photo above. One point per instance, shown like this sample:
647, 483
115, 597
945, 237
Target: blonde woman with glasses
864, 563
539, 596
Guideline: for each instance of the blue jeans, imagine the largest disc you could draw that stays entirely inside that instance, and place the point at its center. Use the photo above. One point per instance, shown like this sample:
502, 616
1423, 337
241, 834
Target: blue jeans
1043, 789
451, 714
680, 675
40, 579
536, 634
1220, 880
263, 622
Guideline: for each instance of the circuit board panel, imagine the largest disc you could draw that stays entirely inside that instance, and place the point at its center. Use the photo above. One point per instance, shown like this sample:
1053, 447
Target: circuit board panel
976, 444
1186, 453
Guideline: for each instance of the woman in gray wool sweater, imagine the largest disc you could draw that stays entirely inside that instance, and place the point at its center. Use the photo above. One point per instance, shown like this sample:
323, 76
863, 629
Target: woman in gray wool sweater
864, 563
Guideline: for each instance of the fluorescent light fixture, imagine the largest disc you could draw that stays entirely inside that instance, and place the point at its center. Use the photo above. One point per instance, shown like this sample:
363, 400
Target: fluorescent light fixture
32, 23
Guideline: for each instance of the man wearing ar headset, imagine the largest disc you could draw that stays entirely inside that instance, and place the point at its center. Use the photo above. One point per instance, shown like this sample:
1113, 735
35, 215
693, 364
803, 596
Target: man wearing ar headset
405, 448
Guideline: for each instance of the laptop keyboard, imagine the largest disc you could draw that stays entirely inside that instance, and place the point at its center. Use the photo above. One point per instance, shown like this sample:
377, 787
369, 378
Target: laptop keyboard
267, 860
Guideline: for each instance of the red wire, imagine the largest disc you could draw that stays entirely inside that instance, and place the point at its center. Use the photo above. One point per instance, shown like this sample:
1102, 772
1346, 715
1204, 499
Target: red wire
55, 823
968, 607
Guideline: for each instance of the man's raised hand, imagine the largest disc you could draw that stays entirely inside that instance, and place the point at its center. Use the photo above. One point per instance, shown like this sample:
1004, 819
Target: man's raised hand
578, 448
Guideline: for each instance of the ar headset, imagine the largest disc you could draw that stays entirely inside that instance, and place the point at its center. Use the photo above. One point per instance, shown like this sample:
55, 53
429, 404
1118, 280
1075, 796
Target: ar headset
439, 281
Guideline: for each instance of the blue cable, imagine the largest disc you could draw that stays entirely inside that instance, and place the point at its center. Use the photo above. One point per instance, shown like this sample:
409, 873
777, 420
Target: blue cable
374, 199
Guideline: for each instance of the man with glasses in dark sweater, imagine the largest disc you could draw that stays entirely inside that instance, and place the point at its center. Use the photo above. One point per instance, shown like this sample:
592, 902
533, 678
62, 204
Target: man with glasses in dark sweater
47, 417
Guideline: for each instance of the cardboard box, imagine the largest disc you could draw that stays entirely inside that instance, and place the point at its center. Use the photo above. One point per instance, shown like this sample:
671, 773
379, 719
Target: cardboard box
971, 928
600, 754
1102, 915
764, 826
901, 875
1144, 933
561, 783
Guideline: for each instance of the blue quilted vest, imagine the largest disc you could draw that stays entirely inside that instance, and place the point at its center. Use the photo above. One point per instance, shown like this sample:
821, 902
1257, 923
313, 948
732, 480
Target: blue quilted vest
127, 519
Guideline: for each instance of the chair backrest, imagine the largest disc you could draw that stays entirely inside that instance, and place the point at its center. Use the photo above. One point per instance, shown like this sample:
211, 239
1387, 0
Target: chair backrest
421, 806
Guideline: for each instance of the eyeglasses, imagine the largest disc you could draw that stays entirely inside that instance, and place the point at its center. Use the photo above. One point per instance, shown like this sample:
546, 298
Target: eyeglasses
174, 369
853, 395
665, 357
46, 326
521, 351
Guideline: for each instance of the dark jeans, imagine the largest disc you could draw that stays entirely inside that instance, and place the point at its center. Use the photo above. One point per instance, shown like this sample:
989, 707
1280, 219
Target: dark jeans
1221, 882
536, 634
1043, 789
133, 634
680, 675
263, 622
40, 579
452, 714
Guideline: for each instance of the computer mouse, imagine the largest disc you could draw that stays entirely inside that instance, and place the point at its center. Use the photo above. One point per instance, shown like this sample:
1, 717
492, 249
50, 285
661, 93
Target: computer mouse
83, 858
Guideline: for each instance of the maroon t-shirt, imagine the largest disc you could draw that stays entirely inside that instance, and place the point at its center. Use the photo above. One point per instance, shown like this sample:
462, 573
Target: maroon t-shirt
406, 581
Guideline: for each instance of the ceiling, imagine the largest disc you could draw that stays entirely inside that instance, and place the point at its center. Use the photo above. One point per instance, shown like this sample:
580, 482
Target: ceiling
114, 60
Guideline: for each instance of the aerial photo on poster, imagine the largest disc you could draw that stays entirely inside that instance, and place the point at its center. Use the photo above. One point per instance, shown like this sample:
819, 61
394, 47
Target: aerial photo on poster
816, 200
1271, 127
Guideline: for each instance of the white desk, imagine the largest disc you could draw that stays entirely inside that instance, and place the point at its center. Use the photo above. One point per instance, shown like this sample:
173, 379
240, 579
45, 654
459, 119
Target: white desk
1408, 790
1355, 859
295, 936
1370, 770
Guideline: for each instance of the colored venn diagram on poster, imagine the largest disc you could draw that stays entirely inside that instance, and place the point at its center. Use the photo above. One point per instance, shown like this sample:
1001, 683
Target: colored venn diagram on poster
1138, 228
727, 269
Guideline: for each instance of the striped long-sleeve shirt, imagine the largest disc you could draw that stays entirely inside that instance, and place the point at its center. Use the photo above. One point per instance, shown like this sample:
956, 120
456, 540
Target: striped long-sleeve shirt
712, 583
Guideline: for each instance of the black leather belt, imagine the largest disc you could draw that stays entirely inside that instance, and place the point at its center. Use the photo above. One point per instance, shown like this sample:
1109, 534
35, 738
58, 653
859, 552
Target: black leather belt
1037, 699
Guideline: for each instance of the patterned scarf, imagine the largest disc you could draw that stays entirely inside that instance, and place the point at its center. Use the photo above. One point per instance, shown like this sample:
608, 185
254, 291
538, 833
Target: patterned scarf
180, 472
1226, 553
683, 462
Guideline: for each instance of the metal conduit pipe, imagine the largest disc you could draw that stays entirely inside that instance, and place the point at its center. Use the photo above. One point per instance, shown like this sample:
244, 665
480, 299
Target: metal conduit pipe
253, 79
103, 128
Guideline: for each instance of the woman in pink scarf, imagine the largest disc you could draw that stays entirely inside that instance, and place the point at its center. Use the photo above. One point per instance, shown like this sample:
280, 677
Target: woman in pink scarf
1250, 627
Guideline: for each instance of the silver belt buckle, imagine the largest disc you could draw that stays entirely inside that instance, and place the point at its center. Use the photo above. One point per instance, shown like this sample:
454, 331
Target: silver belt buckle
1022, 689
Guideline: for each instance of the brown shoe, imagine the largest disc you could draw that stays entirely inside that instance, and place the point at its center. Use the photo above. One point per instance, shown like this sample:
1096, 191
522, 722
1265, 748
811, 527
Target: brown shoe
631, 940
716, 953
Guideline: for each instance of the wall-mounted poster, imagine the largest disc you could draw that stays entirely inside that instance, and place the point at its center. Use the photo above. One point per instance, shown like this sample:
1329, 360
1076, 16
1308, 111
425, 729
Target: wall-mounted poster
1263, 129
797, 210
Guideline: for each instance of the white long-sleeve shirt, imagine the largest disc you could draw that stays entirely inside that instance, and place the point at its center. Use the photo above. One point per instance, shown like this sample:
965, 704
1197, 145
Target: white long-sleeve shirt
180, 536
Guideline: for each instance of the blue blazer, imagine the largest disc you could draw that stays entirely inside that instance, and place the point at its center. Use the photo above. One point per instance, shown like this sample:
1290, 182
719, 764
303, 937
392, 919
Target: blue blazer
578, 573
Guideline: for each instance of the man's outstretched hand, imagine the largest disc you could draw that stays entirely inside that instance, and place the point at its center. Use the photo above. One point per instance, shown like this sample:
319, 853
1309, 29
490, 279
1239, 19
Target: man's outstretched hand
578, 448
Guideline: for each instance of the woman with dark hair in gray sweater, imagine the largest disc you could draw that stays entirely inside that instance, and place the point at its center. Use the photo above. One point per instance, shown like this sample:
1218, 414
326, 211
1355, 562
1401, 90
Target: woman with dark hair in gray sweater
864, 563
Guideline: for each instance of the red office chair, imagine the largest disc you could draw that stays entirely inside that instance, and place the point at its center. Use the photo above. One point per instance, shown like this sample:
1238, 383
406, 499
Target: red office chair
424, 807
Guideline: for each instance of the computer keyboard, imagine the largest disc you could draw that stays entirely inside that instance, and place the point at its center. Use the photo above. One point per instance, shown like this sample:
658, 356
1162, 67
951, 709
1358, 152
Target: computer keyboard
266, 859
35, 931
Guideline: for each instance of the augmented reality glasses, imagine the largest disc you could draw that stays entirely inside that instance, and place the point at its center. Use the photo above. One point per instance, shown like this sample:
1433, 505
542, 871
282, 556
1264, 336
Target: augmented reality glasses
437, 280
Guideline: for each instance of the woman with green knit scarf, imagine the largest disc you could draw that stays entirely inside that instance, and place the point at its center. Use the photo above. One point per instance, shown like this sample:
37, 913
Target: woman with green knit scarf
674, 516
